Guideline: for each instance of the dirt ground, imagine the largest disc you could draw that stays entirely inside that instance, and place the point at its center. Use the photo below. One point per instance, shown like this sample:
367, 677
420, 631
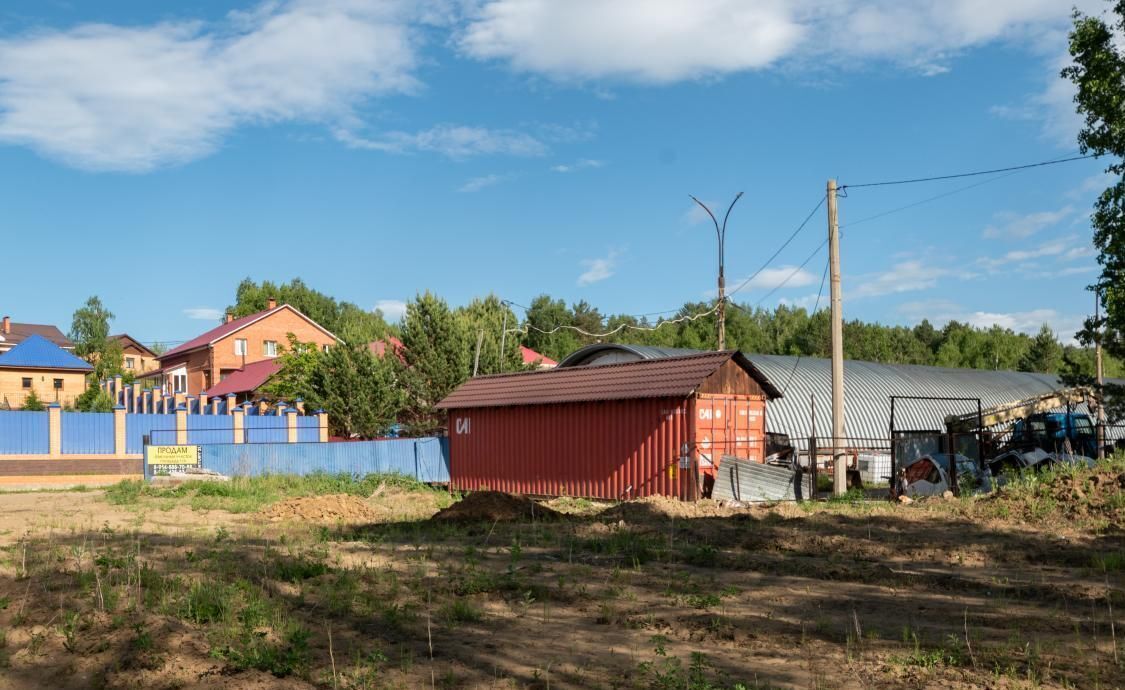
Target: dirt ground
1021, 591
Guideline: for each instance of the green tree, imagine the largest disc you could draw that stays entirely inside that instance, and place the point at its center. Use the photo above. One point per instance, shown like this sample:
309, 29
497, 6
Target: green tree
32, 403
347, 321
544, 318
437, 360
489, 318
94, 399
89, 330
1044, 355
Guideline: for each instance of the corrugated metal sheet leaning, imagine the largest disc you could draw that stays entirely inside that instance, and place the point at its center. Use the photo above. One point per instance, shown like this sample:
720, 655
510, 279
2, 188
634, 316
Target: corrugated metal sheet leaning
747, 481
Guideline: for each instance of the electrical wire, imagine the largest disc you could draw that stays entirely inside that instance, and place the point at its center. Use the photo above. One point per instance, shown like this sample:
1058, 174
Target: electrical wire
788, 277
686, 318
782, 247
935, 178
816, 307
929, 199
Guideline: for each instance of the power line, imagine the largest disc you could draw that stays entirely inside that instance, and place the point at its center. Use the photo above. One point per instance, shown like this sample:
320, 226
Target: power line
970, 174
687, 317
929, 199
782, 247
816, 306
793, 274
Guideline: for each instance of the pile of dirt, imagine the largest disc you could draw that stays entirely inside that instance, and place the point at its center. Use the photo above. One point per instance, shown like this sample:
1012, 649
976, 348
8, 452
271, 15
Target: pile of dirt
496, 506
661, 507
330, 508
1097, 493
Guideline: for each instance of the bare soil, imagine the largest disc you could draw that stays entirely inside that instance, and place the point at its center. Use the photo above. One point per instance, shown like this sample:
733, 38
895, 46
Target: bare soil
493, 506
1020, 591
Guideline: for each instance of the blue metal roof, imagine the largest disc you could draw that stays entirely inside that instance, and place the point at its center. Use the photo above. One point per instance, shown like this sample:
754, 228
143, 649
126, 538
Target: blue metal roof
36, 352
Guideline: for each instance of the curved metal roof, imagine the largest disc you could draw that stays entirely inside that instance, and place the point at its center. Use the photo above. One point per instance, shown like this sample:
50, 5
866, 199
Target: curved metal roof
868, 388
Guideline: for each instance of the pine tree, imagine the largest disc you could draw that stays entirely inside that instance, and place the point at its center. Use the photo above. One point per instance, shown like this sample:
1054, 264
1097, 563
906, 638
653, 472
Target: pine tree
32, 403
437, 360
1044, 355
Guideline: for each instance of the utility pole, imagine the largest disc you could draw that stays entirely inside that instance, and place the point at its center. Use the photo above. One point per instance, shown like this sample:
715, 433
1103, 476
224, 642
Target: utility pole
503, 335
839, 459
721, 234
476, 357
1099, 371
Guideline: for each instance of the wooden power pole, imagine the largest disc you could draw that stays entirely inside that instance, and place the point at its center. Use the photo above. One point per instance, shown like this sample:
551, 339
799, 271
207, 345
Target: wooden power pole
1100, 436
840, 460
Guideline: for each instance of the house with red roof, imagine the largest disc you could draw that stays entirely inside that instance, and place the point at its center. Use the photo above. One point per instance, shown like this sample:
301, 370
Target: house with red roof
533, 358
530, 357
231, 349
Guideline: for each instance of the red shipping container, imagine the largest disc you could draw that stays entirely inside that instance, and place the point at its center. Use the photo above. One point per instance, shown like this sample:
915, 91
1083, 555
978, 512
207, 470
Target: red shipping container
613, 432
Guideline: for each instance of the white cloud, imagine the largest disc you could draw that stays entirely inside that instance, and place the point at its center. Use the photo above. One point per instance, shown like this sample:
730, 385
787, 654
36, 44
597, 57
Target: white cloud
906, 276
454, 141
1076, 270
1017, 226
1079, 253
694, 214
598, 270
789, 276
393, 309
808, 302
475, 184
582, 164
132, 98
203, 313
672, 40
1056, 247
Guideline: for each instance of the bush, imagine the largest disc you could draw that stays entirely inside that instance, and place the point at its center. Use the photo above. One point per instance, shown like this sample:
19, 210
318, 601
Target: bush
32, 403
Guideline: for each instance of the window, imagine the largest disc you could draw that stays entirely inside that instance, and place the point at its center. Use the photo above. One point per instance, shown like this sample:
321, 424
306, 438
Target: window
58, 384
240, 346
270, 348
179, 383
27, 382
326, 348
130, 362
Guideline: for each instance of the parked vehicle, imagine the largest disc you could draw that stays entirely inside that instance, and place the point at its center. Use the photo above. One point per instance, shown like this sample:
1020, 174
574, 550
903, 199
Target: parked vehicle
929, 476
1034, 460
1058, 432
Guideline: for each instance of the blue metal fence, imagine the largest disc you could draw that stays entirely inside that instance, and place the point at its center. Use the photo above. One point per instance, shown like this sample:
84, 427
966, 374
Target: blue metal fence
266, 429
308, 429
138, 425
87, 432
425, 459
210, 429
24, 433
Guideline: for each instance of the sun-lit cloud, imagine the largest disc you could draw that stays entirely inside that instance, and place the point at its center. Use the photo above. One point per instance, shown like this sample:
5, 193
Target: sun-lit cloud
392, 309
598, 269
203, 313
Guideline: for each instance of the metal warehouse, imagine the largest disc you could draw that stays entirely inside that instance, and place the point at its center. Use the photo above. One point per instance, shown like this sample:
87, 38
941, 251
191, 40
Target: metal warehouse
868, 387
617, 431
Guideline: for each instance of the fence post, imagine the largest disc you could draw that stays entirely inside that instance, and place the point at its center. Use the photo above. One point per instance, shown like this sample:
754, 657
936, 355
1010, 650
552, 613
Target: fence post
239, 424
281, 407
322, 426
157, 394
202, 403
215, 405
299, 404
291, 425
119, 429
118, 391
181, 425
54, 429
230, 403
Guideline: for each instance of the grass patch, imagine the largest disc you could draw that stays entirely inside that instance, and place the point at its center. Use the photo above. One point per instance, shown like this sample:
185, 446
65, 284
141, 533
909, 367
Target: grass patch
250, 494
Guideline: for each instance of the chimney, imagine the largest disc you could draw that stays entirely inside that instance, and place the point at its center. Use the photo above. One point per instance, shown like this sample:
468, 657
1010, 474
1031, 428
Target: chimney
230, 317
7, 324
272, 303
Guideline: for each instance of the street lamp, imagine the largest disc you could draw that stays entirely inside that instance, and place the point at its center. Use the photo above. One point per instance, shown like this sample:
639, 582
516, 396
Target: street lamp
721, 236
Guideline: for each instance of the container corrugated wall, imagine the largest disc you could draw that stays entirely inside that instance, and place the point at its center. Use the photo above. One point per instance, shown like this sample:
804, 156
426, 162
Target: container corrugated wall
602, 449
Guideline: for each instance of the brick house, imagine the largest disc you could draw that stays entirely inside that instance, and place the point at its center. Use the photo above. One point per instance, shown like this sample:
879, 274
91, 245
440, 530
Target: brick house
211, 357
12, 334
136, 358
39, 365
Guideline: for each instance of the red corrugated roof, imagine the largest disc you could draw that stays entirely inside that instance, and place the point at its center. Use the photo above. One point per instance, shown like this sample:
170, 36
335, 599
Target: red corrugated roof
532, 357
379, 347
653, 378
247, 379
225, 329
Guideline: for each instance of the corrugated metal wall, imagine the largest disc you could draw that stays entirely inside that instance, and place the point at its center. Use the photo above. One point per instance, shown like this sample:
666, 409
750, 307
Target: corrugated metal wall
308, 430
210, 428
729, 425
87, 432
24, 433
266, 429
606, 449
137, 425
426, 459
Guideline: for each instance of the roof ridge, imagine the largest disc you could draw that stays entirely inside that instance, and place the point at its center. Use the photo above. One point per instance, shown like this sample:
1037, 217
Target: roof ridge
603, 367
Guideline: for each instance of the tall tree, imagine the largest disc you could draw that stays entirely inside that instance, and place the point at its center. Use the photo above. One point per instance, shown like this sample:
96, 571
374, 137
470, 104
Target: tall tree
488, 318
1044, 354
437, 359
89, 329
348, 321
544, 317
1098, 72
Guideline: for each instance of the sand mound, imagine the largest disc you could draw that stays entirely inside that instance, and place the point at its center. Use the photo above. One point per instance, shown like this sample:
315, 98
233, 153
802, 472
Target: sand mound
330, 508
492, 506
662, 507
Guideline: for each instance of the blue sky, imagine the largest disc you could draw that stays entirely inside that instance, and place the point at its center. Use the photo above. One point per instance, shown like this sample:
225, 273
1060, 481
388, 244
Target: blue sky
155, 154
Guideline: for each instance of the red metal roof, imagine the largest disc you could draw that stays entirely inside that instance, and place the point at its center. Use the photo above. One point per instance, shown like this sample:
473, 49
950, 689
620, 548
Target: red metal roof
379, 347
247, 379
653, 378
225, 329
532, 357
